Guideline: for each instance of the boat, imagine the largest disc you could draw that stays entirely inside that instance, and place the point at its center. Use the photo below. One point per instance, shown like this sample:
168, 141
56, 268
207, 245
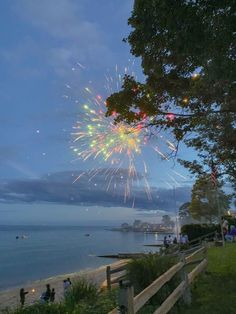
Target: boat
23, 236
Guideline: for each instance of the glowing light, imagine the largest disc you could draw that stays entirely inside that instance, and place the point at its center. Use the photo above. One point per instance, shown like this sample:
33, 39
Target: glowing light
185, 100
170, 116
99, 97
195, 76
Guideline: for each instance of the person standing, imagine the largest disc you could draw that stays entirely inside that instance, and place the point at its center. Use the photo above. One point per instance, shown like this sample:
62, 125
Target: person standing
165, 242
225, 226
52, 295
22, 296
66, 286
186, 238
69, 282
170, 240
47, 293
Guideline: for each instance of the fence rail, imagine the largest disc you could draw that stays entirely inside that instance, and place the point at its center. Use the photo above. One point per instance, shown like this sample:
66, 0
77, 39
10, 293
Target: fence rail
133, 304
110, 271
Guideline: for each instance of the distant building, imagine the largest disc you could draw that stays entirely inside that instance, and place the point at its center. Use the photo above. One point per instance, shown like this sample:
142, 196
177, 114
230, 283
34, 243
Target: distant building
137, 224
125, 225
140, 226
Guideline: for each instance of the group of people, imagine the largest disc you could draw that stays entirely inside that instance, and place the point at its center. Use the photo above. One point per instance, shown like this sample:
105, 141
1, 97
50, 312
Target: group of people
49, 294
229, 231
169, 241
183, 239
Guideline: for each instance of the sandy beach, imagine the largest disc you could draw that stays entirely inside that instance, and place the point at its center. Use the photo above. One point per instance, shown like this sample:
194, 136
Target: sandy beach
10, 298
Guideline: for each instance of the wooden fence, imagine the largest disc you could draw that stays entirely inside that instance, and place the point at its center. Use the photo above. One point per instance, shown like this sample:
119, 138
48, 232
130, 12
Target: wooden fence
120, 270
130, 304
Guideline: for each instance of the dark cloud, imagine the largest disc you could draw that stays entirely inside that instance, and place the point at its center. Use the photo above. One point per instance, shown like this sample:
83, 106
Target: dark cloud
91, 188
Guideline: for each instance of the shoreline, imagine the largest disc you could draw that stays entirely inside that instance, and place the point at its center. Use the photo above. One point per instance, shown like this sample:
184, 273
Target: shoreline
10, 298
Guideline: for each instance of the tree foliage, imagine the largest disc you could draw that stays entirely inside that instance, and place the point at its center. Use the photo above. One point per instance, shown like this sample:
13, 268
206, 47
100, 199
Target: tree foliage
188, 53
167, 222
208, 203
184, 214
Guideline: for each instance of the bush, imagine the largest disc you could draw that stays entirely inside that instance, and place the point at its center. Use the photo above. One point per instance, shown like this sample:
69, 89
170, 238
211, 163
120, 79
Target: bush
142, 272
84, 298
197, 230
39, 309
81, 291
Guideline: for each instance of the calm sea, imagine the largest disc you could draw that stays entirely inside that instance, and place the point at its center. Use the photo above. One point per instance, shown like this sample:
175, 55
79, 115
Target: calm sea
54, 250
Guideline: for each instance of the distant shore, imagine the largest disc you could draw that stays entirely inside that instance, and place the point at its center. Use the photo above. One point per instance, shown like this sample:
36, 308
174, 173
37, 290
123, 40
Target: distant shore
10, 298
141, 231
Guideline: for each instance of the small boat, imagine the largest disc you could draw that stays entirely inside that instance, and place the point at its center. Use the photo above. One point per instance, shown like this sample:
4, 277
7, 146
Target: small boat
87, 234
23, 236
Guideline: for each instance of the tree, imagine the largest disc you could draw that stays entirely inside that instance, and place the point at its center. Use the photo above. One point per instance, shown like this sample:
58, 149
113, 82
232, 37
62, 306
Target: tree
207, 202
184, 214
188, 53
167, 222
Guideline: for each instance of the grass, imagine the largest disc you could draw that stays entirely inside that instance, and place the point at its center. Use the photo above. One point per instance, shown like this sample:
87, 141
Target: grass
214, 292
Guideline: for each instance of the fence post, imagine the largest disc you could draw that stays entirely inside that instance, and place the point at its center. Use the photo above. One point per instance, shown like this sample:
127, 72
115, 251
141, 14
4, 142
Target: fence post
184, 277
205, 253
108, 271
126, 298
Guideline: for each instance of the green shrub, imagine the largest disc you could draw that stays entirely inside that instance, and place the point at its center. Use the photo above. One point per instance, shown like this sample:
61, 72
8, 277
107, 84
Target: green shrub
39, 309
99, 303
197, 230
81, 290
142, 272
106, 301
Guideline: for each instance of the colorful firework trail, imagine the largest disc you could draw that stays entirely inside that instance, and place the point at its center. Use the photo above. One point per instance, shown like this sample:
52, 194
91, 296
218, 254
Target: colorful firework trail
116, 150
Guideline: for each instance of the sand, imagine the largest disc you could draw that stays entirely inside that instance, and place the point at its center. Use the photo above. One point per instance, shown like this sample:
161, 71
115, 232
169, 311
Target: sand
11, 298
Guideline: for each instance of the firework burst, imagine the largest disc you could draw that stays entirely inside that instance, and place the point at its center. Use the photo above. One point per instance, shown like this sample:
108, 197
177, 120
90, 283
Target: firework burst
118, 148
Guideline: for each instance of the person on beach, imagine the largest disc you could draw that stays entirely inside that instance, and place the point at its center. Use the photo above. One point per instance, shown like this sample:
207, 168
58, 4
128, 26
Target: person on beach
66, 286
52, 295
170, 240
69, 283
47, 293
22, 296
165, 242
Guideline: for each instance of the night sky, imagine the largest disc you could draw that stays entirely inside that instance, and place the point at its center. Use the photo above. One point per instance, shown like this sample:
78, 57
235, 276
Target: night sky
50, 51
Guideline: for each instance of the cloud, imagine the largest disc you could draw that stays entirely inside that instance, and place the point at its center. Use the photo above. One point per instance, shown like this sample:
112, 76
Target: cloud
89, 190
70, 33
60, 18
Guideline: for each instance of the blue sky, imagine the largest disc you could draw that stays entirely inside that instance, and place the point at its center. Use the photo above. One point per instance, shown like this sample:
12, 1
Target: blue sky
42, 43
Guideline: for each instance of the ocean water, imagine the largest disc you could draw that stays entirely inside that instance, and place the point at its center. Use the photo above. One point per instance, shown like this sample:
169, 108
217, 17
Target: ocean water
54, 250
